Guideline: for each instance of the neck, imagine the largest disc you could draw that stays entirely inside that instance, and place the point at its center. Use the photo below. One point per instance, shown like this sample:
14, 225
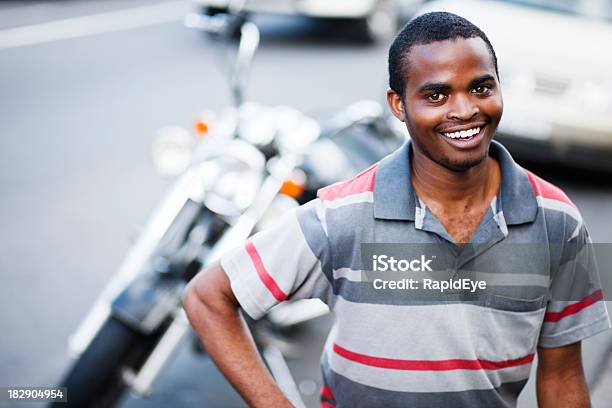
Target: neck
435, 182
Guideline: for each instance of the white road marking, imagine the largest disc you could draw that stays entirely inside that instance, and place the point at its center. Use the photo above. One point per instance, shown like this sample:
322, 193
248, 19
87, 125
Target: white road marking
111, 21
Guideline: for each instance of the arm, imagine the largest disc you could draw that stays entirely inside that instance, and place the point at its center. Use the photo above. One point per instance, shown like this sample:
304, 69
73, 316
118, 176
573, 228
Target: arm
214, 313
560, 380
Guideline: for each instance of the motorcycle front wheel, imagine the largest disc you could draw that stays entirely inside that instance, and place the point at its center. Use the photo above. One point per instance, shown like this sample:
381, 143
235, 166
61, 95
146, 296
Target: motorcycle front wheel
96, 378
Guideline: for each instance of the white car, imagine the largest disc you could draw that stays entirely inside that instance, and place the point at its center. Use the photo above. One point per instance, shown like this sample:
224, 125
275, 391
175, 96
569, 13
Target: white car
378, 19
556, 73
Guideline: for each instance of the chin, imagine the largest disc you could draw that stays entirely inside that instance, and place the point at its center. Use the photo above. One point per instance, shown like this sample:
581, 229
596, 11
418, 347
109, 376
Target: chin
461, 165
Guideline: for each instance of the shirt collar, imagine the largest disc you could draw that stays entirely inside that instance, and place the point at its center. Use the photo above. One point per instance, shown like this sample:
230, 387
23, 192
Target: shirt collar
395, 199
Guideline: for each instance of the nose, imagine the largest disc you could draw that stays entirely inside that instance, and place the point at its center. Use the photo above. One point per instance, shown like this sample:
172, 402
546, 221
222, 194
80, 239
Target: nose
462, 107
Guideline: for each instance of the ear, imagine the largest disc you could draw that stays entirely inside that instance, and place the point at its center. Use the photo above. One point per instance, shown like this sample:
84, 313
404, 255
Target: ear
396, 105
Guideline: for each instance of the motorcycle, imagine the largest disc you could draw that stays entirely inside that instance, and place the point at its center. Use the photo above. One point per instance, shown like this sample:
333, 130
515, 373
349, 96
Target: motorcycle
253, 163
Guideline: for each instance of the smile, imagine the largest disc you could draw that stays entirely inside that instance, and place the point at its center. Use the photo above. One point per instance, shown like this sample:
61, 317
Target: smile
463, 134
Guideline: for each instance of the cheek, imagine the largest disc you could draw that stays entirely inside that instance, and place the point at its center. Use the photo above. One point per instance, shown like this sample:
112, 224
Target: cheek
425, 117
494, 107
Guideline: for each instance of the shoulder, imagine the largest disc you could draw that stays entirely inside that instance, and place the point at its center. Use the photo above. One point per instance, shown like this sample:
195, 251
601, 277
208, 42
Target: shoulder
546, 191
360, 184
555, 204
347, 206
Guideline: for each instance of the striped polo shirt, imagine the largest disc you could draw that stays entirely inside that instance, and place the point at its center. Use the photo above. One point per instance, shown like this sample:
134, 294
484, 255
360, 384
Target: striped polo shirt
397, 349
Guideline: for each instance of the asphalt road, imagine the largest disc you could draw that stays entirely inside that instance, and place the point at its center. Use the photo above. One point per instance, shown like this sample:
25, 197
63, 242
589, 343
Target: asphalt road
77, 118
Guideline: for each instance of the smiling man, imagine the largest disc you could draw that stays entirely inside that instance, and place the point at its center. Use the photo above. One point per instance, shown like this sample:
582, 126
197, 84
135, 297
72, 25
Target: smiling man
447, 92
451, 187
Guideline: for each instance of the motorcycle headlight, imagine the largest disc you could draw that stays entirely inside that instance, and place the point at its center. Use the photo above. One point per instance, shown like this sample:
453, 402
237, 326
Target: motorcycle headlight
295, 130
171, 150
228, 180
257, 124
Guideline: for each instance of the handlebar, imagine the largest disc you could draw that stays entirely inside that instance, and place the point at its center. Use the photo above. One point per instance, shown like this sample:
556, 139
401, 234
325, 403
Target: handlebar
226, 25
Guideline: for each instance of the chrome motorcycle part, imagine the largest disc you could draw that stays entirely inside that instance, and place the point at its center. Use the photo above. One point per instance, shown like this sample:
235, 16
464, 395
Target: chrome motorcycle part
137, 257
282, 375
258, 124
146, 303
279, 206
243, 227
142, 382
227, 180
171, 150
296, 131
249, 41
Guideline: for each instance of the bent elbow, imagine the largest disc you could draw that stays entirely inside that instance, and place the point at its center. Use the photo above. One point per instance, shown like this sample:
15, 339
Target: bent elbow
207, 292
194, 295
190, 299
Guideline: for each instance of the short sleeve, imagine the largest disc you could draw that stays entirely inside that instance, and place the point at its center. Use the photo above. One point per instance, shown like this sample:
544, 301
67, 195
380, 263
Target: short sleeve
576, 309
284, 262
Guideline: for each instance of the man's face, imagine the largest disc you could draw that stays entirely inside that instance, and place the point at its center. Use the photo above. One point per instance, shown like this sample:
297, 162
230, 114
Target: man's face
452, 102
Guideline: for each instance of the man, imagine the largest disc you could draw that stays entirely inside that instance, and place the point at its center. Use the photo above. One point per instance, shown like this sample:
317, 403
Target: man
447, 187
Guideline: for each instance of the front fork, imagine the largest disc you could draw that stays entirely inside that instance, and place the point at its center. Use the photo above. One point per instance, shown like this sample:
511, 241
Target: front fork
142, 381
142, 251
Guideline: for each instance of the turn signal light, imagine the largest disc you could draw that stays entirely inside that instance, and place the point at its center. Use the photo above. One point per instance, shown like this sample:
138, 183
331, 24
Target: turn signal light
201, 128
294, 185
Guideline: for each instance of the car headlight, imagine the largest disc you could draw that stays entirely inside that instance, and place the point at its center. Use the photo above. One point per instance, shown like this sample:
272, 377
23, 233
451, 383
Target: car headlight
515, 79
594, 96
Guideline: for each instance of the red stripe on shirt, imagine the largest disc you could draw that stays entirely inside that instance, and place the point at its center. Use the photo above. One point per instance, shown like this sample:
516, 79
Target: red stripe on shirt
361, 183
265, 277
430, 365
326, 393
574, 308
546, 189
325, 404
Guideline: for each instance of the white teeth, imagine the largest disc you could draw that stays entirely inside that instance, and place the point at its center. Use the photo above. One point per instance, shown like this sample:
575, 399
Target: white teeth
463, 134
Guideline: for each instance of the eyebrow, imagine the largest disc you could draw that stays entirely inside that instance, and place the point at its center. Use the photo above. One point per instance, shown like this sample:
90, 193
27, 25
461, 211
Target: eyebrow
434, 87
443, 87
479, 80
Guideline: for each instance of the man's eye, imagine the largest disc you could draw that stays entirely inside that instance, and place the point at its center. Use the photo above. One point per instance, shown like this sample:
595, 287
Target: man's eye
482, 89
436, 97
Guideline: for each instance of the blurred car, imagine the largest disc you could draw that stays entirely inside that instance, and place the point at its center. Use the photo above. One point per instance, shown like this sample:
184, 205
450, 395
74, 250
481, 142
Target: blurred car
556, 74
377, 20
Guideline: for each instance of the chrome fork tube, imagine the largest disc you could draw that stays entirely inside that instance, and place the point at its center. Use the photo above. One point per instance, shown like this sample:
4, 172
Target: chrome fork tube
142, 381
137, 257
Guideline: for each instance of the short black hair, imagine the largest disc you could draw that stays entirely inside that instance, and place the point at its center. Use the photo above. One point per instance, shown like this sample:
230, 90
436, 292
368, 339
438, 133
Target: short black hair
425, 29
